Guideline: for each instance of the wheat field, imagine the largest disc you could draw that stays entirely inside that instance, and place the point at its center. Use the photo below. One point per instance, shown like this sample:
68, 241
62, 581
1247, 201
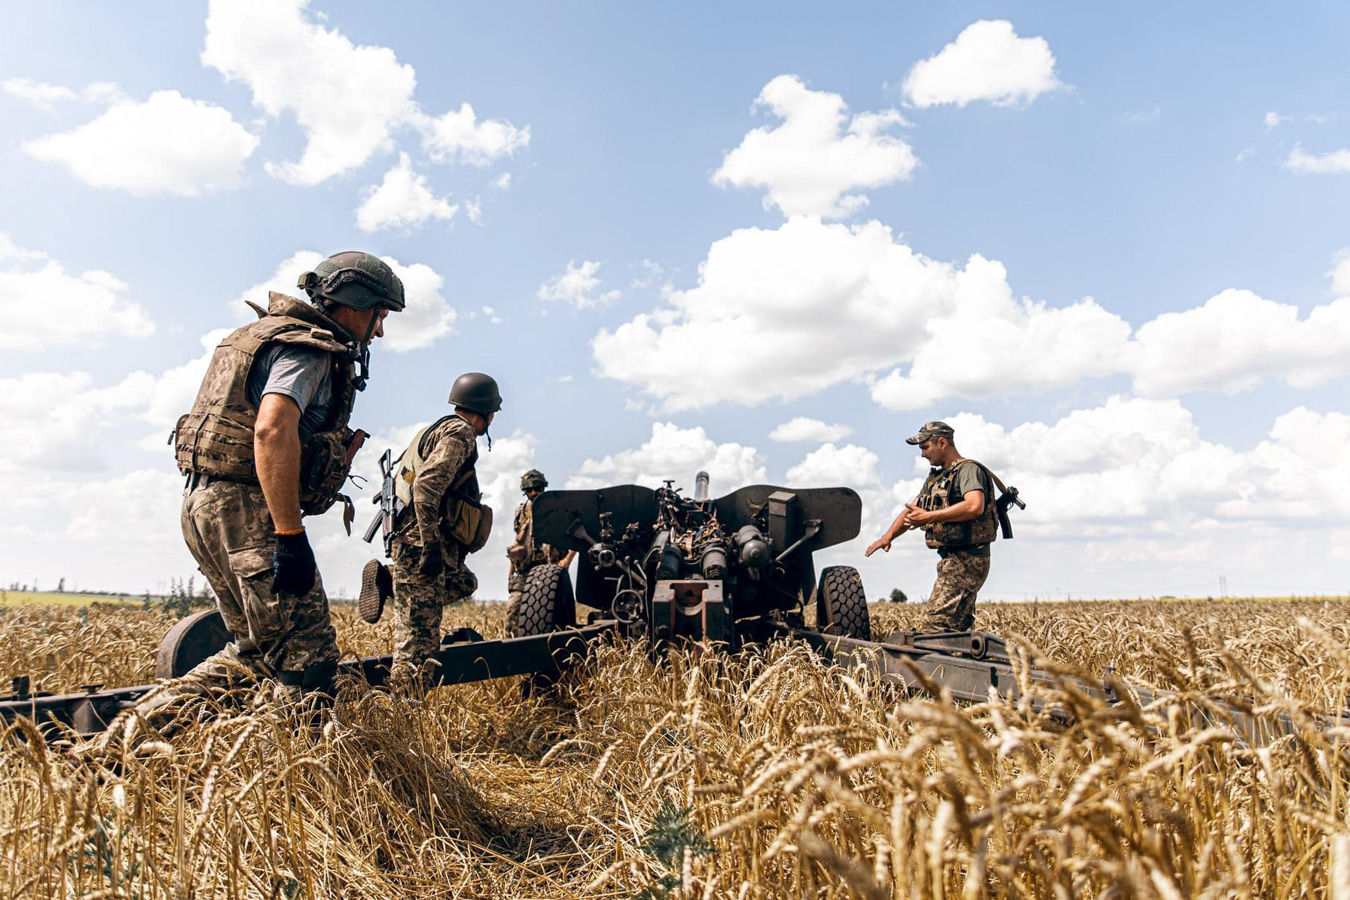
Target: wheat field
761, 775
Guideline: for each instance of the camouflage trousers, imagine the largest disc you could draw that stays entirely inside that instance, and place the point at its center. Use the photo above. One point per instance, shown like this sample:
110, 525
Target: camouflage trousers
419, 601
515, 592
951, 606
289, 639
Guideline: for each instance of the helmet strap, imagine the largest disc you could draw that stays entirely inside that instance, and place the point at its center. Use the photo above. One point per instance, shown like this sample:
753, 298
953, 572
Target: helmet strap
362, 352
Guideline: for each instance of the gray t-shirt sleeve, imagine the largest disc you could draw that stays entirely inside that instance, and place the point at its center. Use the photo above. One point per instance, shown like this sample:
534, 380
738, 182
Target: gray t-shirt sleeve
970, 477
300, 373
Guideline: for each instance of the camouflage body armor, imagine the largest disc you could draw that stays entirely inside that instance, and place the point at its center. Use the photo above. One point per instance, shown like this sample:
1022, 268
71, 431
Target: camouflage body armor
940, 491
466, 521
216, 437
526, 553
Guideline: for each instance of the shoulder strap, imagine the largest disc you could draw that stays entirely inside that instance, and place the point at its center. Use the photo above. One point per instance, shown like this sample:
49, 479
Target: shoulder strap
992, 477
428, 431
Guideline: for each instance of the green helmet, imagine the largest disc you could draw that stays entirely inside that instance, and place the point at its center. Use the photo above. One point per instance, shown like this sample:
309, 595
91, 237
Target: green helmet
476, 391
533, 479
354, 279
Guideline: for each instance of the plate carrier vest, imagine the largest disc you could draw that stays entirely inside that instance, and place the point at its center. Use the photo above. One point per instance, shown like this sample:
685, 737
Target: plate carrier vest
216, 437
939, 491
466, 520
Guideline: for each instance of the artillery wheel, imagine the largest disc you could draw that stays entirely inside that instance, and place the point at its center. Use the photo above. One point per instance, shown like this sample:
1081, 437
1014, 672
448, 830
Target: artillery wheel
841, 605
191, 641
547, 603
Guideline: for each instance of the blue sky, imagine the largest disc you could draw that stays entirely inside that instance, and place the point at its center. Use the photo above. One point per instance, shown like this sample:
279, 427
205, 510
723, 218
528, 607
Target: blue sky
1108, 242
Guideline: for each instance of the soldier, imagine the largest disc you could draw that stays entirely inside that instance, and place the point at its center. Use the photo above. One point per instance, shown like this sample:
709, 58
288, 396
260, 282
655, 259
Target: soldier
443, 521
955, 508
524, 553
266, 443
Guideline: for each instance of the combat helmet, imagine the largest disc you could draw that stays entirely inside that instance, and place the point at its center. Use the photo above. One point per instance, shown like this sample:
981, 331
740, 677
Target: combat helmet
354, 279
533, 479
476, 391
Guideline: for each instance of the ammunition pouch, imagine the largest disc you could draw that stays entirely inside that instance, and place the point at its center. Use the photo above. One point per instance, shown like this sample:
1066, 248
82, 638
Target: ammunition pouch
939, 491
469, 524
324, 464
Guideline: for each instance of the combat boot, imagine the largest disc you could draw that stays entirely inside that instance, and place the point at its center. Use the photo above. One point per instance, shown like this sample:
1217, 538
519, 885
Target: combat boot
377, 586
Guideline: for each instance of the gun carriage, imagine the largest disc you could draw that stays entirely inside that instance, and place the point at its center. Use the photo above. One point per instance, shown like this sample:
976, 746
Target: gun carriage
662, 568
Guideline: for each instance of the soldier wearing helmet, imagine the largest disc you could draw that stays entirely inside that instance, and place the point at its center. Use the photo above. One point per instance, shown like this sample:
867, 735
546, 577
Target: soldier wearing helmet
266, 443
955, 508
525, 553
443, 521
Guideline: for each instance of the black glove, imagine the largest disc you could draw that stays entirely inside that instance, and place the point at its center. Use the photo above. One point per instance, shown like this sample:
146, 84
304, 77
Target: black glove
292, 565
432, 563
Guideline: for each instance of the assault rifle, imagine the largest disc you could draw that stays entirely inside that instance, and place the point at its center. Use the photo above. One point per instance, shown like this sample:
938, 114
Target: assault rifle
386, 520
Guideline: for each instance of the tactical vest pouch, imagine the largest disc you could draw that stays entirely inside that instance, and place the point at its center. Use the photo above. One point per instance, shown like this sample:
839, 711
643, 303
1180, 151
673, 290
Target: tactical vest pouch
471, 525
214, 445
939, 492
324, 465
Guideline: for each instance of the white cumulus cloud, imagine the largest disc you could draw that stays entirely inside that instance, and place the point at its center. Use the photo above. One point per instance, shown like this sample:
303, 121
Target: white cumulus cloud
1336, 162
787, 312
811, 161
1236, 340
38, 93
169, 144
578, 286
987, 61
52, 420
1340, 274
350, 99
802, 428
402, 200
675, 453
44, 306
460, 135
347, 98
48, 96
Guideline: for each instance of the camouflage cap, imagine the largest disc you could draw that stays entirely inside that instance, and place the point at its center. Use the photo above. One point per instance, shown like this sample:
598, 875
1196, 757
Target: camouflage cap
533, 479
932, 430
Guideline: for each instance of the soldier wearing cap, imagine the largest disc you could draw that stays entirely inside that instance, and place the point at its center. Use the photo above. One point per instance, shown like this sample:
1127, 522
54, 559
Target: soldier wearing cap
955, 509
266, 443
444, 521
525, 553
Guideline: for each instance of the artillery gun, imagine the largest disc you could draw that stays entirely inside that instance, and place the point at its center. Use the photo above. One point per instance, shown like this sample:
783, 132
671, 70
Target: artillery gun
663, 567
659, 567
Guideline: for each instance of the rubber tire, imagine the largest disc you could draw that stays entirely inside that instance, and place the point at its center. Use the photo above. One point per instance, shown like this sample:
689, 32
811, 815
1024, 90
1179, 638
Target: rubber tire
841, 604
547, 603
191, 641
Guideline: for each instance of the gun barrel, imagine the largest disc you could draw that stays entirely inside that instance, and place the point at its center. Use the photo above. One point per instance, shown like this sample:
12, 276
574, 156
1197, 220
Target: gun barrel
701, 487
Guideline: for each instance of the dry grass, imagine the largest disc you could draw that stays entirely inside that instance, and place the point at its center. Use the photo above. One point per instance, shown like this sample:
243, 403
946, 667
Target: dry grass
762, 775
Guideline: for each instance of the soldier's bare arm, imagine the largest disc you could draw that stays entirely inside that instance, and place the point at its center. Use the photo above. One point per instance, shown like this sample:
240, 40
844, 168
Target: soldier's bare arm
452, 447
970, 507
902, 523
276, 452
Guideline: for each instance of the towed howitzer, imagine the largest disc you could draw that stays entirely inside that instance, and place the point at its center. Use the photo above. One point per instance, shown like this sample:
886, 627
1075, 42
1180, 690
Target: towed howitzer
662, 568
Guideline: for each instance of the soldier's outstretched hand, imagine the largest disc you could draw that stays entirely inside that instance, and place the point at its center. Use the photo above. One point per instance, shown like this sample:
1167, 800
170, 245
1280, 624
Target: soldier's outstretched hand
882, 544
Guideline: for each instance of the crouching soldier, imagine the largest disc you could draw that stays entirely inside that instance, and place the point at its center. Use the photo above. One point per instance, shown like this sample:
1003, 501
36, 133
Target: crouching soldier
443, 521
265, 443
525, 553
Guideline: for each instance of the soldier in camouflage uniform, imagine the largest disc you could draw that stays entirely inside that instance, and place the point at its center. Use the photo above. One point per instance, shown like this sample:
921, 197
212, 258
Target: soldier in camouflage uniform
955, 509
267, 442
443, 522
525, 553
